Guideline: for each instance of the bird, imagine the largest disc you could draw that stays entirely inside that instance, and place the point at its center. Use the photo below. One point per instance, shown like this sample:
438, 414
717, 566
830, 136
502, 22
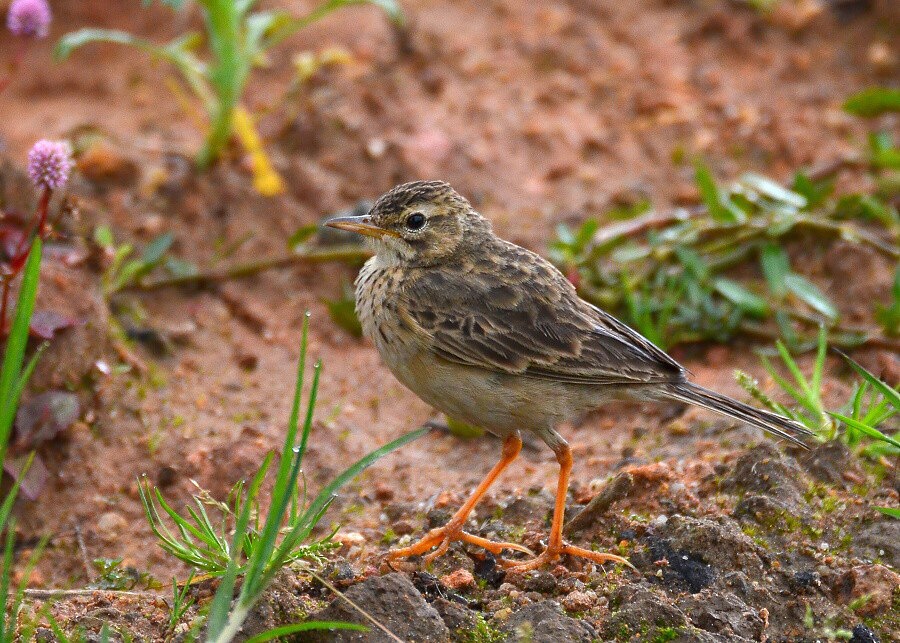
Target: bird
494, 335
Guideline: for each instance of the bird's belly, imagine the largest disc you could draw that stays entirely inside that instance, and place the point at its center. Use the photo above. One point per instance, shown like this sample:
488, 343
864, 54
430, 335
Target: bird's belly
496, 402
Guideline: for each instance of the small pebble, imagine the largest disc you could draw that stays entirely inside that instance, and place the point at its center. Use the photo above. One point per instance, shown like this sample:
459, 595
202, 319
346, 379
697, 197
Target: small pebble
459, 579
579, 601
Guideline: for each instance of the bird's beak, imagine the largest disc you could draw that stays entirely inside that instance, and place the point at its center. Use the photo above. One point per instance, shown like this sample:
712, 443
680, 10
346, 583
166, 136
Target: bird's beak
360, 225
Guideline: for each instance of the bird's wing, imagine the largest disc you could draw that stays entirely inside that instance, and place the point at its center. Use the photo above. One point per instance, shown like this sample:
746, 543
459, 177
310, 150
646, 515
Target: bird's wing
510, 311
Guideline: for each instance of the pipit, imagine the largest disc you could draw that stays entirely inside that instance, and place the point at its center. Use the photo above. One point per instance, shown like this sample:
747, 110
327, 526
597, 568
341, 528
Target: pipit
493, 335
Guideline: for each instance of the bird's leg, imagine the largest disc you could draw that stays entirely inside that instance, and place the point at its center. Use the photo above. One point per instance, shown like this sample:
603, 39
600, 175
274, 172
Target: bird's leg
556, 547
441, 537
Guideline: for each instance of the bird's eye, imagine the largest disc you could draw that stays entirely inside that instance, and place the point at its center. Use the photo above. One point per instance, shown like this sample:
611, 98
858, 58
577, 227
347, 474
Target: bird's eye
415, 221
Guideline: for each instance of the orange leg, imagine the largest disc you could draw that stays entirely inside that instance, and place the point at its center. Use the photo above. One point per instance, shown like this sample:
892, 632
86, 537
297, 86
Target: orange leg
555, 546
441, 537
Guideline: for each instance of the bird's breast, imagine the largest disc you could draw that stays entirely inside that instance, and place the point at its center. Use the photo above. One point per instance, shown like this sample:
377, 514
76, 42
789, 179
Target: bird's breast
377, 299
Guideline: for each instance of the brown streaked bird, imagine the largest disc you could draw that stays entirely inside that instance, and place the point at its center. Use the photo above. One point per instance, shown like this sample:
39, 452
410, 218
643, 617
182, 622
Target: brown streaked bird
493, 335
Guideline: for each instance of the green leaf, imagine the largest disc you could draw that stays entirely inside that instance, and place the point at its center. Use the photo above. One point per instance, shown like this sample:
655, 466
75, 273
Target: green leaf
103, 236
870, 431
747, 301
281, 31
889, 393
155, 250
776, 267
810, 293
301, 235
343, 312
325, 495
765, 186
16, 343
891, 512
815, 192
711, 195
873, 102
284, 630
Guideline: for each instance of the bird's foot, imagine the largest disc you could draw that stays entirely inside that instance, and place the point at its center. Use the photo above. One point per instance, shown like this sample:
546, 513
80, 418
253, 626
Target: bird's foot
554, 551
441, 538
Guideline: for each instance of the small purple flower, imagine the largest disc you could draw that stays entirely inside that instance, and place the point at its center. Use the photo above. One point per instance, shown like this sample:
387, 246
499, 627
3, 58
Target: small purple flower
29, 18
49, 164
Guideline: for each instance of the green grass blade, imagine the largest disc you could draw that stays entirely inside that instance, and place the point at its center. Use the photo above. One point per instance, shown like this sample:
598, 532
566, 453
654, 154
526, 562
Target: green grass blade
284, 630
361, 465
788, 360
871, 432
288, 472
890, 394
218, 611
807, 291
8, 549
889, 511
819, 366
16, 343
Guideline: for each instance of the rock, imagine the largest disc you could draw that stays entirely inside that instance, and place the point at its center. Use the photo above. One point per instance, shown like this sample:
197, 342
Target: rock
72, 353
393, 601
767, 471
680, 567
525, 509
110, 525
828, 462
459, 619
641, 610
103, 162
459, 579
879, 541
769, 512
281, 604
725, 614
538, 580
579, 601
720, 543
877, 582
545, 622
862, 634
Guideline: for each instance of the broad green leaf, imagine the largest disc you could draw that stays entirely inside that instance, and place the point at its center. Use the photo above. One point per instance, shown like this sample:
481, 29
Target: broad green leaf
769, 188
815, 192
103, 236
711, 195
155, 250
810, 293
874, 102
891, 512
302, 234
776, 267
747, 301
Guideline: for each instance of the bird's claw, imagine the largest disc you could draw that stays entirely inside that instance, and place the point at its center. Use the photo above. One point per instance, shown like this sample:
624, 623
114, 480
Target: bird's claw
553, 552
441, 538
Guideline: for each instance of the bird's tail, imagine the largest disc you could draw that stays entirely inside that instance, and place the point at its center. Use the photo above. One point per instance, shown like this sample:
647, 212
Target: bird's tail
771, 422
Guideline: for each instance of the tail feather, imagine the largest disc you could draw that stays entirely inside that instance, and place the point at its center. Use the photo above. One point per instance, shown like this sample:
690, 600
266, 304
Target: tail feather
766, 420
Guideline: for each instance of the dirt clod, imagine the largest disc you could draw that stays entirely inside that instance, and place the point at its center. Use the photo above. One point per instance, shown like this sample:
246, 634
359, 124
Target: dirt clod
545, 622
393, 601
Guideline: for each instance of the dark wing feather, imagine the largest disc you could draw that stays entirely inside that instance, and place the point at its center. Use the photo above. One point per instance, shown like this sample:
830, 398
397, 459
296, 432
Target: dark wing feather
530, 321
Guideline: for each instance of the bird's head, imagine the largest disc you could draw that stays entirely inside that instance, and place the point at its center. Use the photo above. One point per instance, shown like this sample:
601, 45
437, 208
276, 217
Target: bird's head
419, 223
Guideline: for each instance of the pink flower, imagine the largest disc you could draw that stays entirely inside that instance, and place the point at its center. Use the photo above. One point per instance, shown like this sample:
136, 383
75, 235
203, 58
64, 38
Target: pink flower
49, 164
29, 18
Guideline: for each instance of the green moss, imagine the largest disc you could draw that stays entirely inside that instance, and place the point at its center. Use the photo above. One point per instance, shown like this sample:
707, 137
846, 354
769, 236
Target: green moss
663, 634
483, 632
